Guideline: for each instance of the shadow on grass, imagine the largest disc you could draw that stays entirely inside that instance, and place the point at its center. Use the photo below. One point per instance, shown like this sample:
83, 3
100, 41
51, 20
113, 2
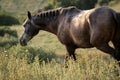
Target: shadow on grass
43, 55
30, 54
8, 37
7, 30
8, 44
8, 20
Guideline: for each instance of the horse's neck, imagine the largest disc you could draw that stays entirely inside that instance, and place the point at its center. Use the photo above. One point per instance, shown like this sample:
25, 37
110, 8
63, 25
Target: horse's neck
49, 26
52, 27
51, 18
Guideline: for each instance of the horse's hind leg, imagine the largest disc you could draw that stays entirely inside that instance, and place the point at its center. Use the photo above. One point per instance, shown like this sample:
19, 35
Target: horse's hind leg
117, 48
107, 49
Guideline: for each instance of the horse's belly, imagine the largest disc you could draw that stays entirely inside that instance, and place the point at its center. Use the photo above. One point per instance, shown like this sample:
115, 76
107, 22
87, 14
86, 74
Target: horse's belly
83, 43
81, 37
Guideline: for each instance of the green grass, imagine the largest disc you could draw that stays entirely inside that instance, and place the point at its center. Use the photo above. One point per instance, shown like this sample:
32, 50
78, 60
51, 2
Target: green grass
43, 59
116, 6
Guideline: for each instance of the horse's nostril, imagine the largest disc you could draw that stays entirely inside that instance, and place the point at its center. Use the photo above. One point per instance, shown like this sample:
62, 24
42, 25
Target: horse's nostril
23, 42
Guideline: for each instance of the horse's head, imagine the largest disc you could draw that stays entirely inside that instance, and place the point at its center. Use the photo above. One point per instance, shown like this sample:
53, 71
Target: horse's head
30, 30
46, 20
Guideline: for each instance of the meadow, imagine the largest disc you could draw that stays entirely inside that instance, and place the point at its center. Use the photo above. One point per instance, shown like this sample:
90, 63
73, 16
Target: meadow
43, 58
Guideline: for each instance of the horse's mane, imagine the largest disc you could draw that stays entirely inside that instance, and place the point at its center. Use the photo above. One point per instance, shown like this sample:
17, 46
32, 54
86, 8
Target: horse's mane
67, 9
54, 12
49, 13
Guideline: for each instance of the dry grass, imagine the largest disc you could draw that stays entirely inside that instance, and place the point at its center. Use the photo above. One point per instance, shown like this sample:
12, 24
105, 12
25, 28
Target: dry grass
44, 61
88, 67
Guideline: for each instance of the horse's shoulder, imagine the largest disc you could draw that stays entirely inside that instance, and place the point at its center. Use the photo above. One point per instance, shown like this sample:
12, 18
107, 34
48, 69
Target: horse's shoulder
69, 9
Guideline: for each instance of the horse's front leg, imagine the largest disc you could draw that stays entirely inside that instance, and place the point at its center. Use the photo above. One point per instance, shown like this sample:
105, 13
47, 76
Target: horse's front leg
71, 52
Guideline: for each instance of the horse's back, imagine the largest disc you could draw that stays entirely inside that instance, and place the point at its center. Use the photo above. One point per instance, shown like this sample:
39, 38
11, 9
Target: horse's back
87, 28
102, 25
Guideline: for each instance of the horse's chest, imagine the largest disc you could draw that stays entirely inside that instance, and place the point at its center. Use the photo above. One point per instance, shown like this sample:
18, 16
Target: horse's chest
79, 31
65, 37
74, 31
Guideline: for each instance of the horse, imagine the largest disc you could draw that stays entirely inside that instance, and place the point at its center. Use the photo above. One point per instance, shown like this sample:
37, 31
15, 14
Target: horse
76, 28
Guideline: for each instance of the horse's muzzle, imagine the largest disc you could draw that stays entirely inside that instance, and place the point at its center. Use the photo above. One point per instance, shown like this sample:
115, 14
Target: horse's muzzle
23, 42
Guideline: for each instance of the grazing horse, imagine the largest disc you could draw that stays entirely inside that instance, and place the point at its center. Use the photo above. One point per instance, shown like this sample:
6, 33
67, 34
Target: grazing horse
77, 28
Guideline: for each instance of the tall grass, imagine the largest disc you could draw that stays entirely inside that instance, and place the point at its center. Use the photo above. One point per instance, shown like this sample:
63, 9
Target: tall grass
15, 66
43, 59
40, 62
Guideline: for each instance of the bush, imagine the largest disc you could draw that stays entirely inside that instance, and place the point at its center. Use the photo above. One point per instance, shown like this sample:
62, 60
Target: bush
82, 4
8, 20
29, 54
7, 30
8, 37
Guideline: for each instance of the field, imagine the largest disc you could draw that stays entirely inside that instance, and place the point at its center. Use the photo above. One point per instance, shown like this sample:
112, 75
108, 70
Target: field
43, 58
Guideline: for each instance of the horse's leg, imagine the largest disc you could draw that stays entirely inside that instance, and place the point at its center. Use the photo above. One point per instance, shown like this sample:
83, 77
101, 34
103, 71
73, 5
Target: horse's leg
117, 48
117, 55
100, 41
71, 54
71, 51
107, 49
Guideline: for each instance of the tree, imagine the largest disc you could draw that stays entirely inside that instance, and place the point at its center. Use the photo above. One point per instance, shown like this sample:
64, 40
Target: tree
103, 2
82, 4
0, 7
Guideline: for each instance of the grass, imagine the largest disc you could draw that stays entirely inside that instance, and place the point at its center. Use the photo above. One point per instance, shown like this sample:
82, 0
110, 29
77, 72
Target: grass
44, 60
86, 68
116, 6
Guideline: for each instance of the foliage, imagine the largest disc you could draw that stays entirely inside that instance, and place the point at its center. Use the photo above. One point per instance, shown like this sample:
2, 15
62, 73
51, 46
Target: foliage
17, 10
43, 58
82, 4
29, 53
8, 37
104, 2
40, 62
51, 4
14, 66
6, 19
6, 30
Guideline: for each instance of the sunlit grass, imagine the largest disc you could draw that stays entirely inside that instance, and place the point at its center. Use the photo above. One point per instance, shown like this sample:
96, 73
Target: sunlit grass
43, 59
93, 66
116, 6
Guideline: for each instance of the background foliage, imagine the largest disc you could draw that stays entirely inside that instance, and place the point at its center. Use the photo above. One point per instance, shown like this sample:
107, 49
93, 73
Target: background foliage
14, 11
43, 58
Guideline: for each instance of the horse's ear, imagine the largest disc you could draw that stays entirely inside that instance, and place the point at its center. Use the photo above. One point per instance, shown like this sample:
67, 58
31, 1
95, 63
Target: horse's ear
29, 15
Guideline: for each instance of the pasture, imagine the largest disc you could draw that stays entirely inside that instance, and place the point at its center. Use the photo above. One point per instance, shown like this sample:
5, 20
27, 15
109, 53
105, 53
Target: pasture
43, 59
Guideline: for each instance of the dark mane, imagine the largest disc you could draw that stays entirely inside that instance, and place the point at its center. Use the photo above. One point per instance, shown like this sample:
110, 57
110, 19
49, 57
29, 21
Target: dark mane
68, 9
52, 14
49, 13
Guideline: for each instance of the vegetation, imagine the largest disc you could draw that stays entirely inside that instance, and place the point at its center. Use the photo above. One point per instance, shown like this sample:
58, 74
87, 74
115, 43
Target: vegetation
14, 12
43, 58
45, 61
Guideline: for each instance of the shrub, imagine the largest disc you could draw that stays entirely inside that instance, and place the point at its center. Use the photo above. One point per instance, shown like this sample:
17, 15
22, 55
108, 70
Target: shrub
29, 53
8, 20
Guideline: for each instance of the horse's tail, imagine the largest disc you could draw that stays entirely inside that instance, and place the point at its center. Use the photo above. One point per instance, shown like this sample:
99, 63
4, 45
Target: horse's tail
117, 20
